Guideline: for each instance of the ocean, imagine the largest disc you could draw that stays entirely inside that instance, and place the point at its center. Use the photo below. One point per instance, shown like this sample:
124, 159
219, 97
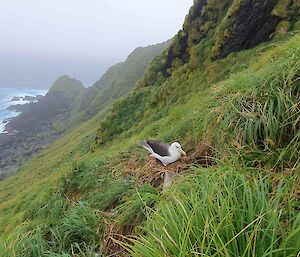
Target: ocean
6, 95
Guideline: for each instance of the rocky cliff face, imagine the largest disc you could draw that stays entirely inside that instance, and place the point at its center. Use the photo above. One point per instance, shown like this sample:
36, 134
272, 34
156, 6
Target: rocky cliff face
223, 27
251, 22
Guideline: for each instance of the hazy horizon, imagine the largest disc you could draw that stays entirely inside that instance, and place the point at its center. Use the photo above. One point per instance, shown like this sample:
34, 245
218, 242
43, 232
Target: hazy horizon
42, 40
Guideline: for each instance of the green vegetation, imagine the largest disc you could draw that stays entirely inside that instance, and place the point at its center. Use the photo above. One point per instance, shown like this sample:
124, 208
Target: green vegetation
221, 213
263, 112
67, 85
118, 81
94, 191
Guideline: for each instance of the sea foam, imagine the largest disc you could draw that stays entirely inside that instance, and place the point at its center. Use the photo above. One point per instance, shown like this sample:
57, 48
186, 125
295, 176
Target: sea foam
6, 95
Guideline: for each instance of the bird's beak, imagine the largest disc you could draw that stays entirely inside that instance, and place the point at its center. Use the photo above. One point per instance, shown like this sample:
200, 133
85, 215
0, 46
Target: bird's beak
183, 152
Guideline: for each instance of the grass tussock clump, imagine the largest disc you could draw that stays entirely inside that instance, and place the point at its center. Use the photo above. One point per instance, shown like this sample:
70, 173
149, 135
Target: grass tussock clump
136, 206
221, 213
81, 225
110, 194
26, 243
77, 231
258, 112
82, 178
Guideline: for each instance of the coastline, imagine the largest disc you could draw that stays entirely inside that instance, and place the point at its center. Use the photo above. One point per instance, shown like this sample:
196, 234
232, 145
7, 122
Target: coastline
6, 97
23, 122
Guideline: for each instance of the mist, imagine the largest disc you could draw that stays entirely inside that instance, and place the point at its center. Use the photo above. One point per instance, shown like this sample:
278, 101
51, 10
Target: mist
41, 40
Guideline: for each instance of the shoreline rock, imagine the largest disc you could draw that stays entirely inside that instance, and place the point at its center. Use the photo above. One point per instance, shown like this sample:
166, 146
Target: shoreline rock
16, 99
27, 98
16, 108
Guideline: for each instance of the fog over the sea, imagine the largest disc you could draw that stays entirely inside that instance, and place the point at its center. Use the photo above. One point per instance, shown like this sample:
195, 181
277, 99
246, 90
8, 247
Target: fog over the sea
41, 40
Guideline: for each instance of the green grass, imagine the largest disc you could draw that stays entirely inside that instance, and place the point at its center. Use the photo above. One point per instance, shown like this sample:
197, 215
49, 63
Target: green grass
81, 226
78, 229
137, 204
221, 213
258, 111
110, 195
245, 108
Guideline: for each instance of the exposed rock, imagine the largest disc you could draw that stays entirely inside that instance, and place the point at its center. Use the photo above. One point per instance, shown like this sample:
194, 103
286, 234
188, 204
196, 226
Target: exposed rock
28, 98
169, 179
17, 107
223, 27
18, 147
6, 120
39, 97
252, 24
179, 48
16, 99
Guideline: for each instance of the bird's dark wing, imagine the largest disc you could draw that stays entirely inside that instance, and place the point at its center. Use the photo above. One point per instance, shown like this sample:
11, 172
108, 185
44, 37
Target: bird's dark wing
159, 147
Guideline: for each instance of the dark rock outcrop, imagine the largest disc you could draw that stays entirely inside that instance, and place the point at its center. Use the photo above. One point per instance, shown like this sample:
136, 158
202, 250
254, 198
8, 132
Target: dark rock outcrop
179, 48
29, 98
253, 23
16, 99
17, 107
223, 27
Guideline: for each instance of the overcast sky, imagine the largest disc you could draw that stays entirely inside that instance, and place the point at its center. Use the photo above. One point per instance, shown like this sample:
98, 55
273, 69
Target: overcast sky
52, 36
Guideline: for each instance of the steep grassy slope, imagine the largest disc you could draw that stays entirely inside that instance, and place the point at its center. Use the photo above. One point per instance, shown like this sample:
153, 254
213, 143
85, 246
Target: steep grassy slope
237, 193
67, 85
119, 80
98, 187
193, 50
67, 105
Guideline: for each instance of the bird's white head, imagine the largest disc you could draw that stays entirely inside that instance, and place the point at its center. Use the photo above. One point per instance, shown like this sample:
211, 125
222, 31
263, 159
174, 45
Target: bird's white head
176, 147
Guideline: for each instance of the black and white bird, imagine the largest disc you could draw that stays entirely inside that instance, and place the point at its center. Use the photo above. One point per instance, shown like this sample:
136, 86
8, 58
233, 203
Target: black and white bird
165, 153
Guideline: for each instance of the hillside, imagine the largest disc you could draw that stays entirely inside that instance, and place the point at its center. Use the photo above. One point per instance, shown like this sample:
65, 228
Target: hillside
228, 89
119, 80
66, 106
55, 107
67, 85
38, 124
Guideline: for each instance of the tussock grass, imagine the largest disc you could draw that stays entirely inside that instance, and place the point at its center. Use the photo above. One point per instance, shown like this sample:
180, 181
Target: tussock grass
250, 117
111, 194
80, 179
80, 225
51, 254
221, 213
123, 220
52, 209
137, 204
258, 112
26, 243
78, 230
